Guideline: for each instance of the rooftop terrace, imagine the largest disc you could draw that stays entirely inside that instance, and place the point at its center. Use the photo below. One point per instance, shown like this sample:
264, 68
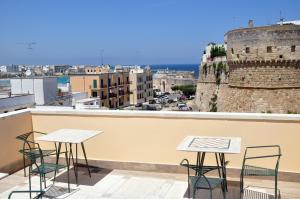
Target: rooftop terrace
137, 153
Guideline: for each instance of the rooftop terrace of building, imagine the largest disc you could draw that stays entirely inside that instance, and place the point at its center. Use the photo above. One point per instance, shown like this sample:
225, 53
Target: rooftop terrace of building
140, 146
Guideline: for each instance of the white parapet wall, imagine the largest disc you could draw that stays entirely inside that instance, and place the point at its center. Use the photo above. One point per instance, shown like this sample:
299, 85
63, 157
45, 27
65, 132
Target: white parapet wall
152, 136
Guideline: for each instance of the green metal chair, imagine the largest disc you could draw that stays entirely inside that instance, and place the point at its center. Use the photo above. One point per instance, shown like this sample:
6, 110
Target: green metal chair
35, 154
206, 168
252, 170
200, 181
24, 138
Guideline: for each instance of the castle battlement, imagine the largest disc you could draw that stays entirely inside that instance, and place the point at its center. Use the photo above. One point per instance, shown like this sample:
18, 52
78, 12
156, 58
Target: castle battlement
263, 72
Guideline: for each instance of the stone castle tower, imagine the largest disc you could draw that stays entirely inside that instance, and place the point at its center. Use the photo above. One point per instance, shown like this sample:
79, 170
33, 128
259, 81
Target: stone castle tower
264, 72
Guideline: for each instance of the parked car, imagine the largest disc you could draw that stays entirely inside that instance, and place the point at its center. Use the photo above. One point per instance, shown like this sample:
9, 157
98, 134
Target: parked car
149, 108
192, 97
152, 101
182, 97
170, 101
183, 107
139, 105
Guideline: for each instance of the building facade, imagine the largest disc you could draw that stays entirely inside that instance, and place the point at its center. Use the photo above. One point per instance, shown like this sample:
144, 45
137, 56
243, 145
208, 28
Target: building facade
43, 88
164, 80
112, 87
61, 69
264, 72
141, 85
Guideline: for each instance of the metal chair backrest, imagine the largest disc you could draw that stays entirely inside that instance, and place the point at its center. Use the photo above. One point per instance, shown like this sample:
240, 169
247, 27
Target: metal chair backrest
24, 137
277, 155
33, 152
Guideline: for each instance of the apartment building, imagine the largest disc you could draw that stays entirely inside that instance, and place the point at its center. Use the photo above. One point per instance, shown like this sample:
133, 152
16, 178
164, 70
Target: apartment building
111, 87
141, 85
43, 88
96, 70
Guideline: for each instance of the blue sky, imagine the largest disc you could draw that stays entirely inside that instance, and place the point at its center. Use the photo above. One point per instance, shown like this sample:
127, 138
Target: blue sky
129, 31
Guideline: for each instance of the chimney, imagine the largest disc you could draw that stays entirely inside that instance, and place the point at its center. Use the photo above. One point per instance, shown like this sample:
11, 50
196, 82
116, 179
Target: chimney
250, 24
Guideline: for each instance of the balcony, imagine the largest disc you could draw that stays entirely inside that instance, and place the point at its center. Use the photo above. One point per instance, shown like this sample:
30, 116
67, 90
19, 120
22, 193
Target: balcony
103, 86
112, 85
104, 97
111, 95
143, 161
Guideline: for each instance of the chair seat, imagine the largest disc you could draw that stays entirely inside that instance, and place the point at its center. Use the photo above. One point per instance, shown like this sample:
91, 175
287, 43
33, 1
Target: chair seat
47, 168
258, 171
35, 153
205, 169
202, 183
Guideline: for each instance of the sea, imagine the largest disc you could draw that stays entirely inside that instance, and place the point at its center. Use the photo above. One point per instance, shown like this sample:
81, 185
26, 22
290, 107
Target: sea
177, 67
154, 68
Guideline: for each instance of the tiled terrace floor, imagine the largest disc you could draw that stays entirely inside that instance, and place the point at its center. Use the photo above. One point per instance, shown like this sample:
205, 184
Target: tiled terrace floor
122, 184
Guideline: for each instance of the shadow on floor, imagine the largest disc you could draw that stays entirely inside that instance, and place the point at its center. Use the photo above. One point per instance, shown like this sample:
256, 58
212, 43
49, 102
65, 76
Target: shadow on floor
83, 175
233, 192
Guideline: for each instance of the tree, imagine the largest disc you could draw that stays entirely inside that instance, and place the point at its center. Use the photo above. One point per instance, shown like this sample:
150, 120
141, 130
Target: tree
187, 90
217, 51
213, 103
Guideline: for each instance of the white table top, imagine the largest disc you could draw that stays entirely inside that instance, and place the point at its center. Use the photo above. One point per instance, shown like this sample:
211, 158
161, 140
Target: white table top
211, 144
74, 136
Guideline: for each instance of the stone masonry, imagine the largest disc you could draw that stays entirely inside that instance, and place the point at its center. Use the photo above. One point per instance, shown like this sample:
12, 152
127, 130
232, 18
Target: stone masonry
264, 72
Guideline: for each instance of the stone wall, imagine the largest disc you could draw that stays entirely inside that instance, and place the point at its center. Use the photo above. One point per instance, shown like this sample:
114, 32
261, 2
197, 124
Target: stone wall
232, 99
209, 75
264, 57
264, 72
252, 43
266, 76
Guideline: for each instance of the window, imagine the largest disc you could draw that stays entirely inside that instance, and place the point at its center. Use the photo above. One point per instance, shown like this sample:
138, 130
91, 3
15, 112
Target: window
280, 56
109, 82
94, 94
293, 48
94, 83
232, 51
247, 50
102, 83
238, 56
269, 49
119, 80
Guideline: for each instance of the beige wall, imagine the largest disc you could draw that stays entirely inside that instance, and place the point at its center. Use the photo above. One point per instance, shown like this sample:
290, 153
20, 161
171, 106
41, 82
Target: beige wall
83, 83
152, 137
12, 125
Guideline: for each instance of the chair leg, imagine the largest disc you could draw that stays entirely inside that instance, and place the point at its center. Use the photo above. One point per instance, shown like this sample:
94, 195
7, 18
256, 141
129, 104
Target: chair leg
45, 185
223, 191
189, 191
276, 196
241, 185
194, 193
41, 182
24, 164
210, 194
29, 176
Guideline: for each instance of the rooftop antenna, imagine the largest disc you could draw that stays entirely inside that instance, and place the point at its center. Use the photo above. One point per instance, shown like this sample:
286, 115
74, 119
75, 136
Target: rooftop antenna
281, 18
29, 45
101, 54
